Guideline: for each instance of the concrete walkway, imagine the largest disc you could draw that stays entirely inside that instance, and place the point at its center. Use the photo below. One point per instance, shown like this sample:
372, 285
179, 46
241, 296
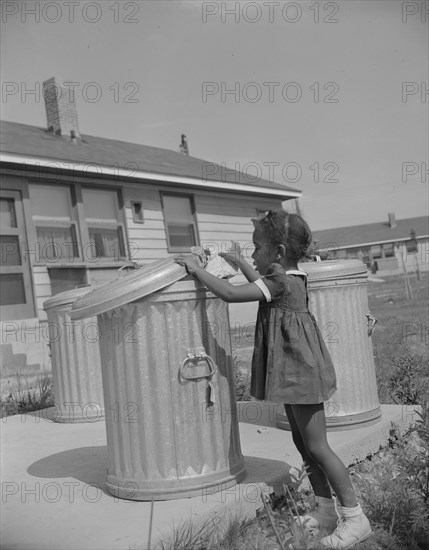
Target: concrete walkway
53, 493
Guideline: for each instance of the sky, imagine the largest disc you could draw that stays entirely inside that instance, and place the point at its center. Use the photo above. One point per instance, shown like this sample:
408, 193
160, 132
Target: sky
326, 97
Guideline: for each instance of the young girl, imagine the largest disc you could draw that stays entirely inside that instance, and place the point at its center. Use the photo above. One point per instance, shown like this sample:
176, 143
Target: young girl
291, 363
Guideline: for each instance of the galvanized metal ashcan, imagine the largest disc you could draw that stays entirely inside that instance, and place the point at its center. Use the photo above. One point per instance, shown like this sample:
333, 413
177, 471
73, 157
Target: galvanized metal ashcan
171, 419
76, 363
338, 299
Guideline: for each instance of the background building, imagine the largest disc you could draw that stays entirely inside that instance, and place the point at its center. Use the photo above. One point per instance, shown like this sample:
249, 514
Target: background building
386, 246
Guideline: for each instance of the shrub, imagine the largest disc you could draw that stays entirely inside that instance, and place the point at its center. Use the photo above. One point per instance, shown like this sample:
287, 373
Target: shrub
405, 382
394, 487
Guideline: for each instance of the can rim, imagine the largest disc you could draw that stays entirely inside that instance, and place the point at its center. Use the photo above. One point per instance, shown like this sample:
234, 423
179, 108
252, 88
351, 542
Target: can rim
329, 270
67, 297
129, 287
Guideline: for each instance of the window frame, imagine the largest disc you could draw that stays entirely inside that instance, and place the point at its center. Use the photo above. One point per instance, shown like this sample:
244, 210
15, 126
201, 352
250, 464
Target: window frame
194, 223
80, 227
27, 309
74, 224
119, 225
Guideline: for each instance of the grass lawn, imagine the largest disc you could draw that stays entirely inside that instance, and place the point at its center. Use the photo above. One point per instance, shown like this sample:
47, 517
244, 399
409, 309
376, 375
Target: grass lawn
401, 339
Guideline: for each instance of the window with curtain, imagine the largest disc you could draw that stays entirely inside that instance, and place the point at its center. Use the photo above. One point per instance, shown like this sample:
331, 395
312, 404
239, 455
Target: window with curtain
55, 223
180, 223
104, 222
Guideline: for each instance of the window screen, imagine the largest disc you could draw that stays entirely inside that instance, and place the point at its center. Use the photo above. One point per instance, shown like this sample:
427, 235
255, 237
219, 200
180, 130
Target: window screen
102, 216
180, 222
53, 217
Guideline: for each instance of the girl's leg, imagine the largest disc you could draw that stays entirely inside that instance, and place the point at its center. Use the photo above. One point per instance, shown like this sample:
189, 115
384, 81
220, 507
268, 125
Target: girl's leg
311, 423
316, 475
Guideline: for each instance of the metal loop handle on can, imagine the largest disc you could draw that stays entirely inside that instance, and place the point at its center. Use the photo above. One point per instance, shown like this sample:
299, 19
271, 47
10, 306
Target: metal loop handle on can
197, 357
372, 321
133, 265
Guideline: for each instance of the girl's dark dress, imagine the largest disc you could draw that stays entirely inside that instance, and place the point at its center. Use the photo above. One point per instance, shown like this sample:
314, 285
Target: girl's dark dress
291, 363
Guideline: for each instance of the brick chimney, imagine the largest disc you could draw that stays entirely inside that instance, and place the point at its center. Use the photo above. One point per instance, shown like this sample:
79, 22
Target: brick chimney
61, 110
392, 220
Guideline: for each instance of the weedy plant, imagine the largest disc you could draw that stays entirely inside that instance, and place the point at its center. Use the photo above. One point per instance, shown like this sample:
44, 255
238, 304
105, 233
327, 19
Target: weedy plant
394, 487
24, 398
405, 385
186, 535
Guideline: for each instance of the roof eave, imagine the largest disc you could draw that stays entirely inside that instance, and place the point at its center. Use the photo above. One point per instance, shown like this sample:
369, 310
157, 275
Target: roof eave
117, 172
365, 244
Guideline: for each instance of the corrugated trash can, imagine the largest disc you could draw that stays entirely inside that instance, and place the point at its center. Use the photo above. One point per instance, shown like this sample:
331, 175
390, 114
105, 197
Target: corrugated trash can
339, 302
171, 419
76, 364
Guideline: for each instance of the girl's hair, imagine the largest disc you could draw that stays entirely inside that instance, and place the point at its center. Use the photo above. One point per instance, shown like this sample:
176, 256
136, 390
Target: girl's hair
290, 230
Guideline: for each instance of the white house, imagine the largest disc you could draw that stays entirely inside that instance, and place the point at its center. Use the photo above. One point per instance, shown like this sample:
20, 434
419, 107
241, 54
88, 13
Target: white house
75, 208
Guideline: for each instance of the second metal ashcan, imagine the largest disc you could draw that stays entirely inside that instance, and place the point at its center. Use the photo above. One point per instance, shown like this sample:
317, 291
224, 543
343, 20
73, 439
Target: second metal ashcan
339, 302
171, 420
76, 365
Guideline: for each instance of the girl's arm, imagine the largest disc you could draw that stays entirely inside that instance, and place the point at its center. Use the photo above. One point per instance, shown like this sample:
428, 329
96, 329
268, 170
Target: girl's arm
224, 290
235, 258
248, 271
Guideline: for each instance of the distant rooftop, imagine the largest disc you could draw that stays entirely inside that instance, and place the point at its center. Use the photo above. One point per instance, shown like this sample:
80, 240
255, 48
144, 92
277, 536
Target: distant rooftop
372, 233
32, 142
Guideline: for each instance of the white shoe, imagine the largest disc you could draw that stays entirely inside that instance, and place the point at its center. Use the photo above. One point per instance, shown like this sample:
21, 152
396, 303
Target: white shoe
324, 516
353, 527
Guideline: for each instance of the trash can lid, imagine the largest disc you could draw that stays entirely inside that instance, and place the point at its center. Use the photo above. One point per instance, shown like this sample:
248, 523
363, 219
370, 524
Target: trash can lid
334, 269
66, 297
128, 287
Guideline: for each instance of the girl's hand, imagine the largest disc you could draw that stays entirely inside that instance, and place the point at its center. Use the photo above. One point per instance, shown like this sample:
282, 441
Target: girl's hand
189, 261
233, 255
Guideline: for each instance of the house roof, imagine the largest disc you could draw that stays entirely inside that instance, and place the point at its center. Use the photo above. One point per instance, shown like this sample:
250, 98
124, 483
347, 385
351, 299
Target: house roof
372, 233
26, 144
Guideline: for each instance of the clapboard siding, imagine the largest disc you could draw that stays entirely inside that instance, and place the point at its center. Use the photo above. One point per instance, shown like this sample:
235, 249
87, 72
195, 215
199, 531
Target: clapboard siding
149, 244
228, 218
155, 234
225, 205
151, 255
224, 240
224, 227
141, 228
149, 216
222, 219
147, 241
